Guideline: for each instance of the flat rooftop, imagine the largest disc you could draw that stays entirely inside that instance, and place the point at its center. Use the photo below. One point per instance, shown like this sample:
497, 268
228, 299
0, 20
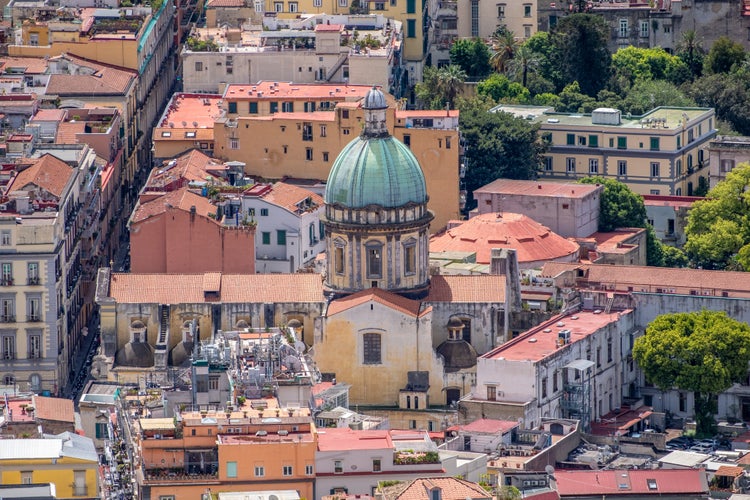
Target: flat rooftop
539, 188
542, 341
278, 90
191, 111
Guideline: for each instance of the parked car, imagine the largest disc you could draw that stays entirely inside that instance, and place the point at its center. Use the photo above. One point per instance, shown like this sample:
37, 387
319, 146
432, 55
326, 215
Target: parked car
702, 448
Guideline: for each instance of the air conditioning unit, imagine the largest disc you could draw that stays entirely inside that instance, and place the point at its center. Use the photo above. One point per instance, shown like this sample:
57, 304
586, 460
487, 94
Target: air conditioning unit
261, 433
283, 433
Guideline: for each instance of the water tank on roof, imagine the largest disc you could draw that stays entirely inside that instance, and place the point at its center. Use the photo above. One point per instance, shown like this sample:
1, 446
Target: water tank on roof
605, 116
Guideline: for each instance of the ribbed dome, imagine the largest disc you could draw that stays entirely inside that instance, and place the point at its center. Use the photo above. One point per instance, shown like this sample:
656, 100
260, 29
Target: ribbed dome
458, 354
375, 99
376, 171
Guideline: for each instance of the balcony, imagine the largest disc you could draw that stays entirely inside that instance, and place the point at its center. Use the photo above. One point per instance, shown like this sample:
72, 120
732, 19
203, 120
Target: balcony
6, 281
33, 318
33, 280
34, 355
7, 318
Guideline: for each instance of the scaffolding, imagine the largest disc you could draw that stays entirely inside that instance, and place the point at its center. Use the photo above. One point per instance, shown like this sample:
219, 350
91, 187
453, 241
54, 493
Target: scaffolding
576, 401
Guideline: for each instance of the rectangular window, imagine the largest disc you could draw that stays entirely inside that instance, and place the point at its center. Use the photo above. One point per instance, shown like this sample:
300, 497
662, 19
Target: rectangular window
7, 273
593, 141
287, 470
544, 387
9, 347
33, 309
258, 6
407, 140
623, 28
198, 66
280, 237
679, 142
307, 131
644, 29
232, 107
234, 143
411, 6
343, 3
253, 108
374, 263
322, 131
278, 6
654, 169
447, 143
317, 3
376, 465
293, 7
491, 393
570, 165
325, 156
581, 140
260, 471
266, 237
527, 10
339, 260
274, 107
26, 477
231, 469
475, 18
654, 144
213, 383
264, 212
622, 167
5, 238
554, 382
308, 154
622, 143
7, 310
371, 346
309, 470
410, 259
32, 273
338, 467
411, 28
571, 139
501, 11
727, 165
101, 430
548, 164
287, 106
593, 166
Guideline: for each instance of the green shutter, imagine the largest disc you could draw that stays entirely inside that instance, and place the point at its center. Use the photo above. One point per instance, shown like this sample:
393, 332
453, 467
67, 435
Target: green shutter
280, 237
571, 139
253, 108
411, 6
266, 238
622, 143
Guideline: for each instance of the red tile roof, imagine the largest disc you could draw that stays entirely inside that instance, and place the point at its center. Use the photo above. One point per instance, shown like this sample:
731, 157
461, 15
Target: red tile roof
66, 132
631, 482
532, 241
542, 340
655, 279
108, 80
539, 188
182, 199
451, 488
329, 27
31, 65
467, 289
56, 409
345, 439
729, 471
212, 4
129, 288
191, 166
388, 299
49, 115
48, 173
487, 426
196, 111
655, 200
288, 196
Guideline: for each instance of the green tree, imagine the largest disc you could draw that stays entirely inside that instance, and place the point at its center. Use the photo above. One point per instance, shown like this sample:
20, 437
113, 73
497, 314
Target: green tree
504, 48
690, 50
472, 56
508, 493
674, 257
704, 352
581, 51
619, 206
728, 94
572, 100
524, 62
723, 56
645, 95
541, 44
440, 86
497, 145
718, 227
499, 88
633, 64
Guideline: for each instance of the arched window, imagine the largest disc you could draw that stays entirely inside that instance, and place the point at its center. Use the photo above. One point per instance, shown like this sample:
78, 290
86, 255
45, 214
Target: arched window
371, 344
35, 382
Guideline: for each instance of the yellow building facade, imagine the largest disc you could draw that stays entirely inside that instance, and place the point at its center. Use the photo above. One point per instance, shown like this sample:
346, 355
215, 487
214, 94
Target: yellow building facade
663, 152
299, 133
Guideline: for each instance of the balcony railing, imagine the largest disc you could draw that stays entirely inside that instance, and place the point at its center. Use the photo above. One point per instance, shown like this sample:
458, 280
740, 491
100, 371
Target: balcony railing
33, 280
34, 355
6, 281
7, 318
34, 318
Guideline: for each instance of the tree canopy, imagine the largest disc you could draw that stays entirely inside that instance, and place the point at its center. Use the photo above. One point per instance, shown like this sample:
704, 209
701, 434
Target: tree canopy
440, 86
500, 89
632, 64
497, 145
704, 352
619, 206
723, 56
580, 42
718, 228
472, 56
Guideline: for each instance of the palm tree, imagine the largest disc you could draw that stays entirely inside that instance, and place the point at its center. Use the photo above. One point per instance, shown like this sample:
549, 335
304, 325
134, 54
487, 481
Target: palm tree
523, 61
504, 47
690, 50
451, 80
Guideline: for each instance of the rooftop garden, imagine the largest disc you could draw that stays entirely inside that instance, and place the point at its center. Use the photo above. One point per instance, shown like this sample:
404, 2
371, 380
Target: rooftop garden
411, 457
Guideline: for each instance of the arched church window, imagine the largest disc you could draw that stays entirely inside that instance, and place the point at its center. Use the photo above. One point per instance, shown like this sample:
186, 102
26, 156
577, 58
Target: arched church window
374, 260
371, 343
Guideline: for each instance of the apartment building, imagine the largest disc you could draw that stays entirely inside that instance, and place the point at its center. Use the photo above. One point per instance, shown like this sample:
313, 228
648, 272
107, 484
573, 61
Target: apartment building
283, 129
253, 447
726, 152
663, 152
573, 366
482, 19
359, 50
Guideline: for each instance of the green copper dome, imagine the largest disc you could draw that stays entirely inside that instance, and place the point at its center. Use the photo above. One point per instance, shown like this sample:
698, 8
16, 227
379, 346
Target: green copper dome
375, 171
375, 168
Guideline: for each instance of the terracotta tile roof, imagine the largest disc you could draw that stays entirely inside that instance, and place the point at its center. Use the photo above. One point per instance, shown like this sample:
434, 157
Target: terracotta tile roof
49, 115
128, 288
212, 4
451, 488
655, 200
482, 288
48, 173
66, 132
487, 426
191, 166
655, 279
729, 471
106, 79
388, 299
31, 65
329, 27
532, 241
539, 188
56, 409
288, 196
631, 482
182, 199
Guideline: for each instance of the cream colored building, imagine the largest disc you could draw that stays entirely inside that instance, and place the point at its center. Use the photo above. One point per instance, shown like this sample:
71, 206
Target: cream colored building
481, 18
663, 152
271, 127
